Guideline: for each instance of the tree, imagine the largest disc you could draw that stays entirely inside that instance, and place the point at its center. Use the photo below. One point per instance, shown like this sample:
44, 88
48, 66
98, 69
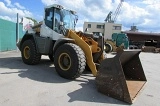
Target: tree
35, 21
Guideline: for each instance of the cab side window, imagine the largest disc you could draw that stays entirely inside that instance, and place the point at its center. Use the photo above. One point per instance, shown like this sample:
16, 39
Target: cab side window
49, 18
57, 19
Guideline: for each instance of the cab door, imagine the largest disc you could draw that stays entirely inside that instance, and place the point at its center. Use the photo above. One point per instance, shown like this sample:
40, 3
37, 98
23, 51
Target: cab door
50, 27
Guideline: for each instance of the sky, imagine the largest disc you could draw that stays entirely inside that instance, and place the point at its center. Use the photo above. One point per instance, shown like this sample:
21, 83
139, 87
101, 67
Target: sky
145, 14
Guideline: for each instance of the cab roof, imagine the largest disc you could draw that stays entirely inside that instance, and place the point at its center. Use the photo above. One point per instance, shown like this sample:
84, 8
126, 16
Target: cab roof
59, 7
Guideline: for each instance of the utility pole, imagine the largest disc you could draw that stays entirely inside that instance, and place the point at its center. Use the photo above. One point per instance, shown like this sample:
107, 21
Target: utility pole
17, 30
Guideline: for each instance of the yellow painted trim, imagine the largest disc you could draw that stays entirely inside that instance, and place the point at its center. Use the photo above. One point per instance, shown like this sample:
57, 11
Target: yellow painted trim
25, 52
59, 62
87, 50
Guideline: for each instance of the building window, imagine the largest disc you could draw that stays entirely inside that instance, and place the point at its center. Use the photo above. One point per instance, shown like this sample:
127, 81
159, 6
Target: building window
100, 26
89, 25
116, 27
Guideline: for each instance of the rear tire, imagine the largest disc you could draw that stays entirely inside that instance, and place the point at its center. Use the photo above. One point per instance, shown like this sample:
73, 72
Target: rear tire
29, 53
69, 61
108, 48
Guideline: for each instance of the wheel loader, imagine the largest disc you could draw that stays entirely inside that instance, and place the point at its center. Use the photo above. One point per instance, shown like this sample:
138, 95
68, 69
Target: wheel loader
120, 77
118, 42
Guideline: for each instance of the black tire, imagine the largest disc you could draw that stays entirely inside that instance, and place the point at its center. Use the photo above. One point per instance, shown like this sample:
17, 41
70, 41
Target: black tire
108, 48
29, 53
51, 57
69, 61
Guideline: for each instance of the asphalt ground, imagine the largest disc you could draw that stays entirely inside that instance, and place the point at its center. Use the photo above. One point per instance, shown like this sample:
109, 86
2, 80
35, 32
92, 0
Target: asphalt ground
40, 85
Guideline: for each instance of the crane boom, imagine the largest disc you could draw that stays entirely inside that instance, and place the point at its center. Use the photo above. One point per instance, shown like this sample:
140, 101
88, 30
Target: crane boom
117, 11
109, 17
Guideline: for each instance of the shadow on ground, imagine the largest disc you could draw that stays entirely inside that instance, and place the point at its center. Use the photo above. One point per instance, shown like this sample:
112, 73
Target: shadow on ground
88, 92
45, 72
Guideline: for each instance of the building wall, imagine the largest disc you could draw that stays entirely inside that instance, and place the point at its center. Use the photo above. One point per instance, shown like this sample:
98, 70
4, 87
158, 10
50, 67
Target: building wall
93, 27
111, 28
107, 30
8, 35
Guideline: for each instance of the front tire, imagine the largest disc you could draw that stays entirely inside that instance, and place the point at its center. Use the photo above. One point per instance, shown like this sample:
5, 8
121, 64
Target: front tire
69, 61
29, 53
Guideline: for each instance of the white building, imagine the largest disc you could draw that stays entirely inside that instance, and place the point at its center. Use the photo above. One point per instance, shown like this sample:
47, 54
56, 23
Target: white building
107, 29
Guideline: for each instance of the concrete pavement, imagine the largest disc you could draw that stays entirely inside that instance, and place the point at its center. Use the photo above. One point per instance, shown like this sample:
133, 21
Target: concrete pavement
40, 85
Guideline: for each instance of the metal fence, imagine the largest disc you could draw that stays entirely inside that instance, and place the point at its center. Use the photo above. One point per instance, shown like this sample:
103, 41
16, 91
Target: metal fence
8, 35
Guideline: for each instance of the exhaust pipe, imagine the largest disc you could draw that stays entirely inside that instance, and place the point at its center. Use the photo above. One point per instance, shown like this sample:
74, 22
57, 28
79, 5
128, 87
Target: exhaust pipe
121, 77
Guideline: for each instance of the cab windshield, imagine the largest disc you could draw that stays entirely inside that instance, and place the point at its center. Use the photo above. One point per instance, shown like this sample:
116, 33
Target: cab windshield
69, 19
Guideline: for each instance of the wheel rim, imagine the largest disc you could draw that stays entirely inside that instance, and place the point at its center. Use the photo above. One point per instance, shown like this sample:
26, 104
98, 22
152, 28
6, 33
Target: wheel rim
64, 61
26, 52
106, 48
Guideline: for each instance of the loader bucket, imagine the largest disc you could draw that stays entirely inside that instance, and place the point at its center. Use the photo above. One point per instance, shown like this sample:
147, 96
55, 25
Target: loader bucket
121, 77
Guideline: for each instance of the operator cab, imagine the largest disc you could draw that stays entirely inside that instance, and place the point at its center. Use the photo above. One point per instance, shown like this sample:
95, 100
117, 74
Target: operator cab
56, 16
